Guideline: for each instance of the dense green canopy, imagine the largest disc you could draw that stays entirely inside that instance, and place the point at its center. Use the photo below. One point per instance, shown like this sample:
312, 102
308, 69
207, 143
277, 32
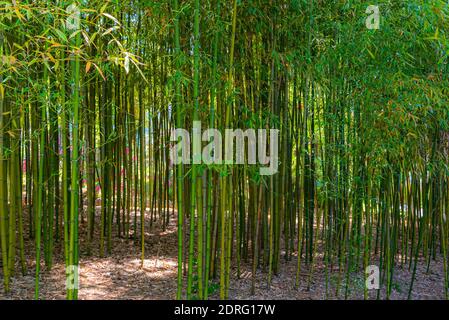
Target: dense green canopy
363, 117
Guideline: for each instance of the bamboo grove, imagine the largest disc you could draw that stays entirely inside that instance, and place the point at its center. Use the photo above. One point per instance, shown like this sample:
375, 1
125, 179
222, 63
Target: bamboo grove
363, 117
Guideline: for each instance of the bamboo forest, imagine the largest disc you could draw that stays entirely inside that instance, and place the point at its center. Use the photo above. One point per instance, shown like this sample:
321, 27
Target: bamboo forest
337, 110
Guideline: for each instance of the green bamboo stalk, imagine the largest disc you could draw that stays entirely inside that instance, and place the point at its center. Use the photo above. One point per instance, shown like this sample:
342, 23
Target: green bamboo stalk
72, 294
195, 180
3, 209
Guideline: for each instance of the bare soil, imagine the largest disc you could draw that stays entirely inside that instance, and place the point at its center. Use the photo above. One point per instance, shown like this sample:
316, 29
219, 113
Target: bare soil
119, 275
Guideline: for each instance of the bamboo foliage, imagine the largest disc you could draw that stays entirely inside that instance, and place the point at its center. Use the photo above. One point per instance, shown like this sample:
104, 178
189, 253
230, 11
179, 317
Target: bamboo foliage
86, 118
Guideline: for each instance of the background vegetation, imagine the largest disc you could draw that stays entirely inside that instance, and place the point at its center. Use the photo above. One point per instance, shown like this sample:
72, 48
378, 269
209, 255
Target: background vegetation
86, 115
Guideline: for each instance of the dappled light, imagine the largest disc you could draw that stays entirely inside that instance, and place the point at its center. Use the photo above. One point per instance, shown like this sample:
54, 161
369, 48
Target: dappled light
225, 149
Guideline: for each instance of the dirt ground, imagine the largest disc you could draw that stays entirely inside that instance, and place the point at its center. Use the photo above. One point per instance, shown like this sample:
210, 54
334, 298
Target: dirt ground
120, 275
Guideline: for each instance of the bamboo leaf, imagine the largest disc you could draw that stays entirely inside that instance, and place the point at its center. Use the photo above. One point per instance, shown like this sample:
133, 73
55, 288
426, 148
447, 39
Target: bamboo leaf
88, 65
111, 17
